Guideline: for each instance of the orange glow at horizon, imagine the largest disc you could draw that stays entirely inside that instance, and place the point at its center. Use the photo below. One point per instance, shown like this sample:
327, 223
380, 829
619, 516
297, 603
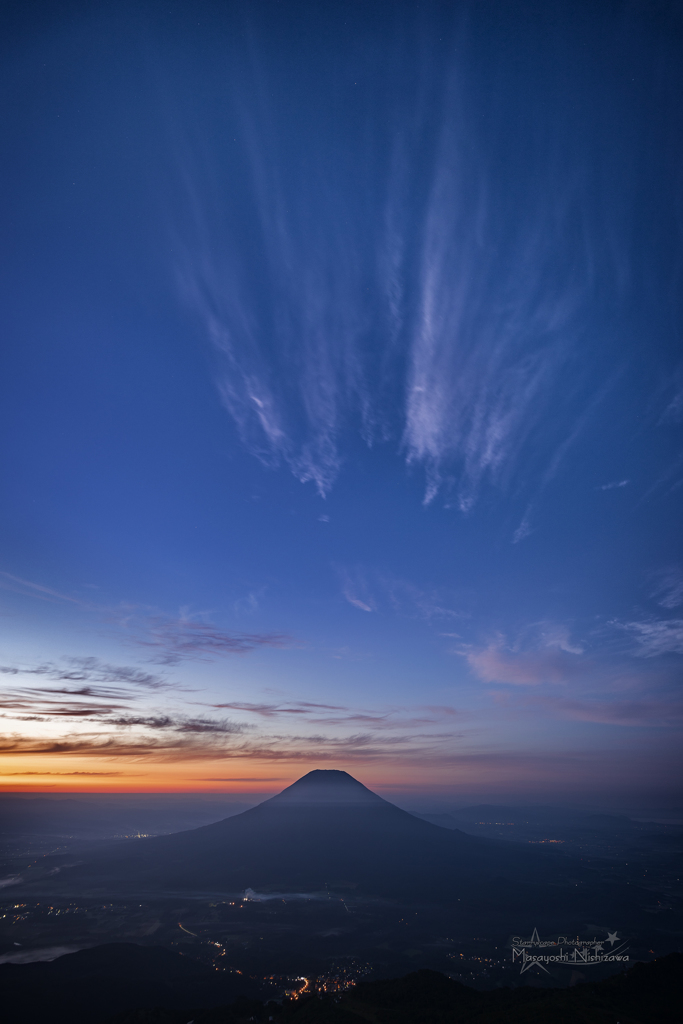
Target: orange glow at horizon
138, 778
71, 774
473, 774
91, 775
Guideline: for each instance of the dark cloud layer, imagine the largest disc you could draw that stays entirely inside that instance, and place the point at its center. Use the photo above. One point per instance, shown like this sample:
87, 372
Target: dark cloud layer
175, 640
113, 724
178, 724
386, 719
90, 670
105, 690
104, 774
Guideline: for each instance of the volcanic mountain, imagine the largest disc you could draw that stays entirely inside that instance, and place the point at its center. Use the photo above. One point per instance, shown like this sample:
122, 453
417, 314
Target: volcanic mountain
326, 830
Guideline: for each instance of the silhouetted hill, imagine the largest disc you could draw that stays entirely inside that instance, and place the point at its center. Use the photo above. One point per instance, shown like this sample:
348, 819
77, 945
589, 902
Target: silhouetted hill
647, 994
123, 983
325, 828
94, 983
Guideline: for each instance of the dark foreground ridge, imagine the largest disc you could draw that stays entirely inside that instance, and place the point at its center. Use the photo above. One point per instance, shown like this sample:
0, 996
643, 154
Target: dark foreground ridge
324, 829
90, 985
128, 984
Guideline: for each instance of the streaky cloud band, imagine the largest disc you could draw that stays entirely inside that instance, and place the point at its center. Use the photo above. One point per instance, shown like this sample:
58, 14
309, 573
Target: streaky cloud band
437, 298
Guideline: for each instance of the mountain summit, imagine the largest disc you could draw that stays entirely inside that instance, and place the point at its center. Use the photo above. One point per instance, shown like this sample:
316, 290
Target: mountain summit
327, 786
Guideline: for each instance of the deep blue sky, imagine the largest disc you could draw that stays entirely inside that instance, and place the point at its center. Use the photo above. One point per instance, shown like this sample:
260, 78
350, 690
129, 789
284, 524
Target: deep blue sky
342, 392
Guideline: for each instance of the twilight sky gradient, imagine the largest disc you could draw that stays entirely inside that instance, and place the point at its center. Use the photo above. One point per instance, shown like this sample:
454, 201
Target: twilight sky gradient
342, 395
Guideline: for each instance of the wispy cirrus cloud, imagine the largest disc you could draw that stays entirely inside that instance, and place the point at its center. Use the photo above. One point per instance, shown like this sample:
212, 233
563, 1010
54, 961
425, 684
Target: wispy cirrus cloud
653, 637
412, 601
477, 381
673, 410
436, 318
288, 370
524, 529
43, 593
368, 588
668, 588
357, 588
354, 585
613, 484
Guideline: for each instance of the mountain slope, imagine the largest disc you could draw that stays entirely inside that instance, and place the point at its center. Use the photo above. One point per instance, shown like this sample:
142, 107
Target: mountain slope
325, 828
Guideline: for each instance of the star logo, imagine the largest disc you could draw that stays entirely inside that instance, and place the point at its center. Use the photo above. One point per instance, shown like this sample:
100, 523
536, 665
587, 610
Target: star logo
612, 937
533, 962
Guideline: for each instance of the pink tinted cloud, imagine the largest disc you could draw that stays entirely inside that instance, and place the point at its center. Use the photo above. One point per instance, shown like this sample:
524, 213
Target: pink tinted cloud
623, 712
603, 710
494, 664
